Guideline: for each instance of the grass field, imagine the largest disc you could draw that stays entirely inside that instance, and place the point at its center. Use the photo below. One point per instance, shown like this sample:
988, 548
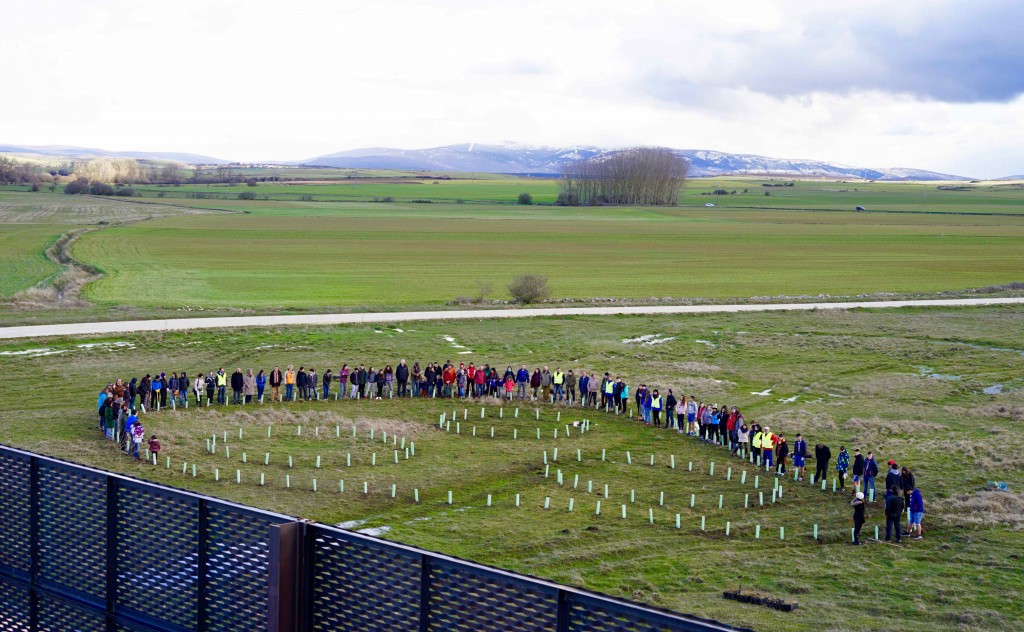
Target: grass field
284, 254
909, 384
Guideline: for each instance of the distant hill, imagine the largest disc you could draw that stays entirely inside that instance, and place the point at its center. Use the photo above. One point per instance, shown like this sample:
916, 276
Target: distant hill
1011, 178
517, 159
82, 153
514, 158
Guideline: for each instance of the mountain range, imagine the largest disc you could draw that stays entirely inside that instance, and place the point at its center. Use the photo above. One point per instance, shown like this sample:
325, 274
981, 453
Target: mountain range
516, 159
513, 158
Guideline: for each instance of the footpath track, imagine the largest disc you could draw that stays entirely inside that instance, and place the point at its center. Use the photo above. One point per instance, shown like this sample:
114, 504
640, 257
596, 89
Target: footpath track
184, 324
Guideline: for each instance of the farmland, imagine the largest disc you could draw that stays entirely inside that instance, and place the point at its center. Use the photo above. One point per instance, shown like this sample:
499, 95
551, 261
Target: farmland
301, 255
327, 245
910, 384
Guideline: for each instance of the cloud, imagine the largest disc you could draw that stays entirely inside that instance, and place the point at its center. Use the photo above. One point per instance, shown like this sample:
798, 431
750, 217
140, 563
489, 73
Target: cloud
953, 52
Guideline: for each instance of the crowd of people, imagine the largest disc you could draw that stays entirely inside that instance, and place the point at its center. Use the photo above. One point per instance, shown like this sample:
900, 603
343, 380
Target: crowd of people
120, 400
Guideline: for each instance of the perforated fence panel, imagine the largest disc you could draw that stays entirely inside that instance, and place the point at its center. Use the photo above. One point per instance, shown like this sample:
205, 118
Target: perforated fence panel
15, 490
363, 586
467, 599
86, 550
237, 568
73, 534
158, 554
15, 608
56, 615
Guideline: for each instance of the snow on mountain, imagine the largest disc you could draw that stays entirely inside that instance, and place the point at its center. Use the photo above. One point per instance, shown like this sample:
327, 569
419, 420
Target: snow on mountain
518, 158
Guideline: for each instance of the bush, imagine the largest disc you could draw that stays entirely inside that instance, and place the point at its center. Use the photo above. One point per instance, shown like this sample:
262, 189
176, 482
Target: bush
99, 188
567, 199
81, 185
251, 182
247, 195
525, 198
529, 288
126, 192
34, 188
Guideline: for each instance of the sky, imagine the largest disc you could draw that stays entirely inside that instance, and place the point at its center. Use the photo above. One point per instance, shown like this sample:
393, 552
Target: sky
931, 84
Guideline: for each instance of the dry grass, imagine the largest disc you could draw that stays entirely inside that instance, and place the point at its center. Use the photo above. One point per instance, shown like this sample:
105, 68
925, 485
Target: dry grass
984, 509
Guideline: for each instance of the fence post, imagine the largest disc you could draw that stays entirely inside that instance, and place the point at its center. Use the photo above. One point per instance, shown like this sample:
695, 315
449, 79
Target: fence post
33, 509
285, 574
562, 622
424, 593
202, 570
111, 552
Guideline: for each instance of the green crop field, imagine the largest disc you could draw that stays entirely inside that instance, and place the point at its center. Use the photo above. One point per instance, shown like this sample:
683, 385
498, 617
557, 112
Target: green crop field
937, 389
282, 255
22, 262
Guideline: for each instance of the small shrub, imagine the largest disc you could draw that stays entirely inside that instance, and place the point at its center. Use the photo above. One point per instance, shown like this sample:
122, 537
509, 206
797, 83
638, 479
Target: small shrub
34, 188
525, 199
247, 195
529, 288
81, 185
126, 192
567, 199
100, 188
251, 182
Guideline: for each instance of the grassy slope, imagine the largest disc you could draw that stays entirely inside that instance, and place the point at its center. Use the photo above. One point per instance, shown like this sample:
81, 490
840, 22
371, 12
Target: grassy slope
350, 255
857, 375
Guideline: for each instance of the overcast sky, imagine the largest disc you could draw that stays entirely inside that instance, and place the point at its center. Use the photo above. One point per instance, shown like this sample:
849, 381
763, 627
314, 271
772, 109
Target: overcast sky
934, 84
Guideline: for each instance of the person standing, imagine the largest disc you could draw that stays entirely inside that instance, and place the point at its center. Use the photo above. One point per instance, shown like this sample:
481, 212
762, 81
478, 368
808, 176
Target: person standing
199, 387
743, 438
691, 415
211, 386
522, 379
800, 456
670, 410
300, 382
289, 383
916, 514
222, 386
402, 377
893, 478
858, 470
183, 386
584, 384
276, 378
545, 384
908, 484
870, 472
261, 385
767, 448
417, 379
249, 386
822, 455
558, 382
311, 384
858, 516
570, 387
327, 379
535, 383
782, 451
656, 406
893, 514
237, 384
842, 465
389, 381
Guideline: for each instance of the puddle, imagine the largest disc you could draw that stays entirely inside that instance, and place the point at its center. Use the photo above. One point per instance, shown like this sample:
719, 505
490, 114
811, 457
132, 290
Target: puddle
34, 353
375, 531
101, 345
995, 389
925, 371
648, 339
351, 524
763, 393
789, 400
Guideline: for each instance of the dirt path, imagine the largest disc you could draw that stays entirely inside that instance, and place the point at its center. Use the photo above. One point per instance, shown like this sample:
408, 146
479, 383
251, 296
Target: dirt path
178, 324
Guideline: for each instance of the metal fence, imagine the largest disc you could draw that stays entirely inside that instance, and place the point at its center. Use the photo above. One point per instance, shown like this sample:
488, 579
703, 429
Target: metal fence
87, 550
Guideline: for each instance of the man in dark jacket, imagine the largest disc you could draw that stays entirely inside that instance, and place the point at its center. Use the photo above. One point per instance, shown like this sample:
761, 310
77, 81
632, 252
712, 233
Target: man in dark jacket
670, 409
870, 472
893, 479
822, 455
237, 384
893, 513
300, 383
858, 470
402, 377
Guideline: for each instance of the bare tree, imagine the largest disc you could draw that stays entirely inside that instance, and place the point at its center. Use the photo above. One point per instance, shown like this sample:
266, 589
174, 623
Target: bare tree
638, 175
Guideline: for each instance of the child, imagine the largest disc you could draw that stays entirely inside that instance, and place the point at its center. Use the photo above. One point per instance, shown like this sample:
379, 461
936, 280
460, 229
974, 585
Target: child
154, 447
138, 434
509, 386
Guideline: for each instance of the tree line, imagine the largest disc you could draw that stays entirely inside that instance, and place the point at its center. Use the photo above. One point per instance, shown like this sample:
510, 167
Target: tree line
638, 175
